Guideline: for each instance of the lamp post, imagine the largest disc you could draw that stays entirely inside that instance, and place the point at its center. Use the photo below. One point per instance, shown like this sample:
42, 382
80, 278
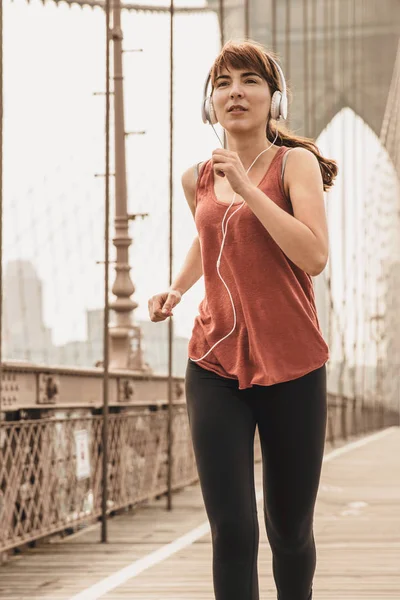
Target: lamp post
125, 338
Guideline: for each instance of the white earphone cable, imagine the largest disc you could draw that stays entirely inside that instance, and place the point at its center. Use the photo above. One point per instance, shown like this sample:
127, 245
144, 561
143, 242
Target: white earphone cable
223, 242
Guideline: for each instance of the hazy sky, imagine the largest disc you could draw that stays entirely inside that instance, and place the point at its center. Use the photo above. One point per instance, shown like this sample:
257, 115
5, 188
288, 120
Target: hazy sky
54, 145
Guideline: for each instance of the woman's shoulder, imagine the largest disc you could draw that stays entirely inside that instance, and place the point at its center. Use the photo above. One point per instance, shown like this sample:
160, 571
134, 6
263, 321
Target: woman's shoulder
189, 183
299, 153
192, 172
298, 158
200, 165
301, 164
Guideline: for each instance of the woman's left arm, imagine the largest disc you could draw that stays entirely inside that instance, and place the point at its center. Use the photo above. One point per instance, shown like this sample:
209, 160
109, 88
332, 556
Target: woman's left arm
304, 236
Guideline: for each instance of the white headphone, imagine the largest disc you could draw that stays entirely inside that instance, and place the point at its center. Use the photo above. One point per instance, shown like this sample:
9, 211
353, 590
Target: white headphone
279, 103
278, 110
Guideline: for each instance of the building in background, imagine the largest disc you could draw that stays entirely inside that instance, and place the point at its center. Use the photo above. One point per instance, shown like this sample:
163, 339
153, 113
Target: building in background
27, 338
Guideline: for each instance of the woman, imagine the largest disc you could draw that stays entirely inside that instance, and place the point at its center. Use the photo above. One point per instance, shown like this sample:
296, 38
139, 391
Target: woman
256, 355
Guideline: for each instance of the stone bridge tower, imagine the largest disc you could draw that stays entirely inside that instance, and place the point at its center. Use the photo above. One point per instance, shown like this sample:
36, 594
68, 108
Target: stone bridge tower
336, 54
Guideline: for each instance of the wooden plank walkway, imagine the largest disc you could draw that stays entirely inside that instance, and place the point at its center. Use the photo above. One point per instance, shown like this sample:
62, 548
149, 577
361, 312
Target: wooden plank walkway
357, 532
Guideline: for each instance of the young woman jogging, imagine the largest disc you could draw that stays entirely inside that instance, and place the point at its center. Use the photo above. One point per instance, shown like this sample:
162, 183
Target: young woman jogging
257, 355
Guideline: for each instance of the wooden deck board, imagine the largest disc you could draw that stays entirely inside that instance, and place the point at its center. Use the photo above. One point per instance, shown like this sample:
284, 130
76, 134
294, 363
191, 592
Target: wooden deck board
358, 546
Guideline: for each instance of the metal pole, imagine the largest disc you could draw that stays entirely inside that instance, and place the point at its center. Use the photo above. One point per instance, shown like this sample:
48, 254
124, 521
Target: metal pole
273, 25
123, 288
106, 291
328, 304
365, 232
306, 70
221, 15
341, 24
170, 324
313, 67
1, 199
247, 18
288, 40
288, 48
356, 286
333, 46
221, 22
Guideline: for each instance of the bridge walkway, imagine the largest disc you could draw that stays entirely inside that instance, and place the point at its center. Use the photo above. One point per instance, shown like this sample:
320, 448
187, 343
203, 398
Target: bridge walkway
155, 554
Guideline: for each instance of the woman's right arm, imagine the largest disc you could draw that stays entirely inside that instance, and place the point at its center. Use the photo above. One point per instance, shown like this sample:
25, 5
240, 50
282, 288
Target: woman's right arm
192, 268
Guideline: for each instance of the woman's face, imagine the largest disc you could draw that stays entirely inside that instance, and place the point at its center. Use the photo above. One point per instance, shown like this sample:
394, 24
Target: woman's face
247, 89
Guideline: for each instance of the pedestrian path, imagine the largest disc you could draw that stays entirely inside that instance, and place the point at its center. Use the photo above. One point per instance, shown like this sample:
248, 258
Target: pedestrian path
160, 555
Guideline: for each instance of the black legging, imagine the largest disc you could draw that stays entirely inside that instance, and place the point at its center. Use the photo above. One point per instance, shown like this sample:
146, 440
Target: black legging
291, 419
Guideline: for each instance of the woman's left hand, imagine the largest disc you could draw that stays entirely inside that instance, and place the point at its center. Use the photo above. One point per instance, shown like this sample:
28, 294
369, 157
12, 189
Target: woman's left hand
228, 164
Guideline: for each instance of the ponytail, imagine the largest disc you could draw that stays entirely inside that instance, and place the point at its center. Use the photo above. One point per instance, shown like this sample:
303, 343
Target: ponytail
285, 137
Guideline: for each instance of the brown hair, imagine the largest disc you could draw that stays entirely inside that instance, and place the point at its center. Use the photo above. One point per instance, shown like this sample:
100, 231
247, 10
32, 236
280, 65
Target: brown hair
252, 55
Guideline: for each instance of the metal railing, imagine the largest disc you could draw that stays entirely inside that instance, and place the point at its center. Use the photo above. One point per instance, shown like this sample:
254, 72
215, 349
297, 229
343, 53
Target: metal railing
46, 486
51, 468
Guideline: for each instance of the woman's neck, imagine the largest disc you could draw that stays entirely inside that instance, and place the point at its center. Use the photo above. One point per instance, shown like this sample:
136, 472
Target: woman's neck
248, 148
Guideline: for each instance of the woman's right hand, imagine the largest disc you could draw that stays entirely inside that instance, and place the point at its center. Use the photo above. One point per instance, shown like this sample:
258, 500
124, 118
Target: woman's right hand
161, 305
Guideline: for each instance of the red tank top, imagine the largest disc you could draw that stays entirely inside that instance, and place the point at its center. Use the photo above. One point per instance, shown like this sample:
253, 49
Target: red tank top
277, 335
